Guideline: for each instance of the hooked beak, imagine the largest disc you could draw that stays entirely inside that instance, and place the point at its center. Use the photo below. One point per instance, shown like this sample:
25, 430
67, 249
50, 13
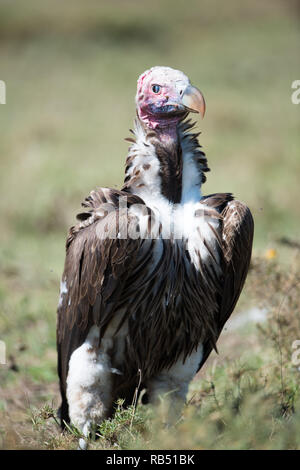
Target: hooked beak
189, 100
193, 100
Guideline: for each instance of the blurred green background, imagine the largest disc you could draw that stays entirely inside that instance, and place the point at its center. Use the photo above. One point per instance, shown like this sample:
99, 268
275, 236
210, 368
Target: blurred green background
70, 70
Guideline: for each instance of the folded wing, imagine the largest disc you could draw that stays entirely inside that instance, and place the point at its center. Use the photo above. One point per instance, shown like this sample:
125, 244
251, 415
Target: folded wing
237, 238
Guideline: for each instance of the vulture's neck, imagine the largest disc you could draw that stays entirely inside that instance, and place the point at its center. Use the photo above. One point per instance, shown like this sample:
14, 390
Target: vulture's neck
166, 163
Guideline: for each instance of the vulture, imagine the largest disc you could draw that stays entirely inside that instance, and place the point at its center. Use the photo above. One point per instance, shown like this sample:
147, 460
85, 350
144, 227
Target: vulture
153, 270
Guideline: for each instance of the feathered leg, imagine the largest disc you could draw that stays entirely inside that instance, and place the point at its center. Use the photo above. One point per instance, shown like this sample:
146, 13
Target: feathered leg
168, 389
67, 342
89, 383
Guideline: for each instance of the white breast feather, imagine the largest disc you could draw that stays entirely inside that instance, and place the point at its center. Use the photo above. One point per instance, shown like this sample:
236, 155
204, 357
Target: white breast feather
178, 221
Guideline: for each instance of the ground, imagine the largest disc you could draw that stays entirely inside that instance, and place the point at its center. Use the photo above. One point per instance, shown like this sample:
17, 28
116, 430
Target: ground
70, 75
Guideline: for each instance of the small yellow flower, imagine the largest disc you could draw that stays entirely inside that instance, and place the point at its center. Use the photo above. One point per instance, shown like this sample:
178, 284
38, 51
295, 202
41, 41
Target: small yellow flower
270, 253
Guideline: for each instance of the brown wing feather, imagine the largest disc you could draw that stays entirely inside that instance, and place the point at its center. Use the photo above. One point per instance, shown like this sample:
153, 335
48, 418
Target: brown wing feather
96, 268
237, 238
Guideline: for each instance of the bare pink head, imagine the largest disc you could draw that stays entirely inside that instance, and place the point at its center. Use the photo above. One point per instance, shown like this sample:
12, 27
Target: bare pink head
165, 96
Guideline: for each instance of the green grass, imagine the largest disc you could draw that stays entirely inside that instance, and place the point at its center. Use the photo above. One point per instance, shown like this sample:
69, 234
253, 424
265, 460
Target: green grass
70, 74
247, 397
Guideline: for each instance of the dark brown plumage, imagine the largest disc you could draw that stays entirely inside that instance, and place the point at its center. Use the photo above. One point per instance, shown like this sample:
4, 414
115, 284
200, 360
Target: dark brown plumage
172, 294
109, 275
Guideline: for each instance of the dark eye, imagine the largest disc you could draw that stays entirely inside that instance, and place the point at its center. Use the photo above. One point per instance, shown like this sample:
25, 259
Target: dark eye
155, 88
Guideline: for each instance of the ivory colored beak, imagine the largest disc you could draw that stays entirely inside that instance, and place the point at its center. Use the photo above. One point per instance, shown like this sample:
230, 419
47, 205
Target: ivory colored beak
193, 100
